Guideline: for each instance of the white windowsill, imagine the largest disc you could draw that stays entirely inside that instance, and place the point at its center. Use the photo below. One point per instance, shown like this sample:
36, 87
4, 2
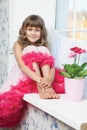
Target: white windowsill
72, 113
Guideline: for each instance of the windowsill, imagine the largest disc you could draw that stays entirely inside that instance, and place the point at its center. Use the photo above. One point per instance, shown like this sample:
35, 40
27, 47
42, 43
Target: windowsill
72, 113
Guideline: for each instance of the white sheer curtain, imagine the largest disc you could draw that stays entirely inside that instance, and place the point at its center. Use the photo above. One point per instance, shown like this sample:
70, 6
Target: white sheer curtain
60, 49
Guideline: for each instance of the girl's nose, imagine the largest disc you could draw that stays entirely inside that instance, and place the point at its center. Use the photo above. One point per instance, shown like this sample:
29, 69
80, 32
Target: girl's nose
33, 31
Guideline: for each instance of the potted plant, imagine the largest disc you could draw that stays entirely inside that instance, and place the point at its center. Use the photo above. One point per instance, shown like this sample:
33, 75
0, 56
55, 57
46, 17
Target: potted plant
74, 75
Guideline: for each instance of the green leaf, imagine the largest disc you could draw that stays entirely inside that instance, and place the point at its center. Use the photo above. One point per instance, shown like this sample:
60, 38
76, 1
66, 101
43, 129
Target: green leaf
80, 69
83, 73
84, 65
65, 74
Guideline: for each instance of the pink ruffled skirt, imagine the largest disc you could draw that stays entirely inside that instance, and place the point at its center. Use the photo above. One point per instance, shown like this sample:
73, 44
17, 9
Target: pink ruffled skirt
12, 104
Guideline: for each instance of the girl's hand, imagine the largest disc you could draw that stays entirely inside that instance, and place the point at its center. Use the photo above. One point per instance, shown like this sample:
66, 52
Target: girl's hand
45, 82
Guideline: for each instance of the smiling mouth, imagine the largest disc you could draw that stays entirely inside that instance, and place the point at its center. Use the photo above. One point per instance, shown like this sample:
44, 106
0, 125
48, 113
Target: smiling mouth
33, 37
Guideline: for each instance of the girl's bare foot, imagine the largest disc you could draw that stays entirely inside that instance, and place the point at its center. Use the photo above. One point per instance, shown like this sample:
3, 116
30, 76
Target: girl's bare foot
51, 93
42, 93
47, 93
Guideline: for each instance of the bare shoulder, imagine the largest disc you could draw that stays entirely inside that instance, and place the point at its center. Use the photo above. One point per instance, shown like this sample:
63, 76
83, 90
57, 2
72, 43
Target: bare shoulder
17, 49
17, 46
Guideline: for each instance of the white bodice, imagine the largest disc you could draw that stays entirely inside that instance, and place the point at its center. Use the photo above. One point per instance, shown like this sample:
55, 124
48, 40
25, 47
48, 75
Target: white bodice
32, 48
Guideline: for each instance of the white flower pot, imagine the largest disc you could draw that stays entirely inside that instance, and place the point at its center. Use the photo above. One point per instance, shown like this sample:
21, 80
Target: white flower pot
74, 89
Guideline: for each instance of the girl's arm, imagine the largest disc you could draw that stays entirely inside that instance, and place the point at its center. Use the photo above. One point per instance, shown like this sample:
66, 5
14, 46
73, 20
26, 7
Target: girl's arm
18, 51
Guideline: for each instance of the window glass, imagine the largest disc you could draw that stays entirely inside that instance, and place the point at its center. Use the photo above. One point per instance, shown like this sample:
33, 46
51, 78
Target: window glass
72, 15
82, 13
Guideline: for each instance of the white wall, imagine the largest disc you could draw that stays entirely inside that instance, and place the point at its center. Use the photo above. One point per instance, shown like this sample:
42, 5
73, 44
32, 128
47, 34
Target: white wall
20, 9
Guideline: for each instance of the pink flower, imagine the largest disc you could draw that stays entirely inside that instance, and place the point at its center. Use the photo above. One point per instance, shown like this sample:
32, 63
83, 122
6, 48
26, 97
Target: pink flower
76, 53
78, 50
72, 55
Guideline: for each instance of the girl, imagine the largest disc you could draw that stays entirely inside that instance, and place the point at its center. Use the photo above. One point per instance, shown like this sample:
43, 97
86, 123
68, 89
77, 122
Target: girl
33, 39
33, 73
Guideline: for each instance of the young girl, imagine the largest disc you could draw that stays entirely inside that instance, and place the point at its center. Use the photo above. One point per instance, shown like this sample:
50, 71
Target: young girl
33, 39
34, 72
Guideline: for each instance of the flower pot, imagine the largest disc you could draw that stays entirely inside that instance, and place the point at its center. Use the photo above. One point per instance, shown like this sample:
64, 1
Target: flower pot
74, 89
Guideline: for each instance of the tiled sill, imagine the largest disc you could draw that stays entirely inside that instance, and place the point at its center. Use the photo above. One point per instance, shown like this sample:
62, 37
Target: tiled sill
72, 113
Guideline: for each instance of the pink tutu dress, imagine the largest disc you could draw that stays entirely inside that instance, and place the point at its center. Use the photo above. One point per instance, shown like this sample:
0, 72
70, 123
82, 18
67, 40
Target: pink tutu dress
17, 84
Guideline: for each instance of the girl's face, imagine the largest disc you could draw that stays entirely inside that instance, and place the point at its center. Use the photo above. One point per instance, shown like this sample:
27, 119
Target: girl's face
33, 34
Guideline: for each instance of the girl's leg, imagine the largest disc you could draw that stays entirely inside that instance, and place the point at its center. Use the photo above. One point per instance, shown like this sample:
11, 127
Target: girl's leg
50, 91
41, 90
36, 68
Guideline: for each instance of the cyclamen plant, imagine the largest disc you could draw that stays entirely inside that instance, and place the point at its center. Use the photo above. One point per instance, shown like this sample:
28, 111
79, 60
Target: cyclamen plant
75, 70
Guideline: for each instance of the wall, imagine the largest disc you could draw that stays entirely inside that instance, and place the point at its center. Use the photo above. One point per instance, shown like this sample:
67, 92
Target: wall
4, 39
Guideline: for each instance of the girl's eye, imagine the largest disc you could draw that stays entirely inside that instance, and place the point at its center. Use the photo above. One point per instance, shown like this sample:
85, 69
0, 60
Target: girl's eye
37, 30
29, 29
